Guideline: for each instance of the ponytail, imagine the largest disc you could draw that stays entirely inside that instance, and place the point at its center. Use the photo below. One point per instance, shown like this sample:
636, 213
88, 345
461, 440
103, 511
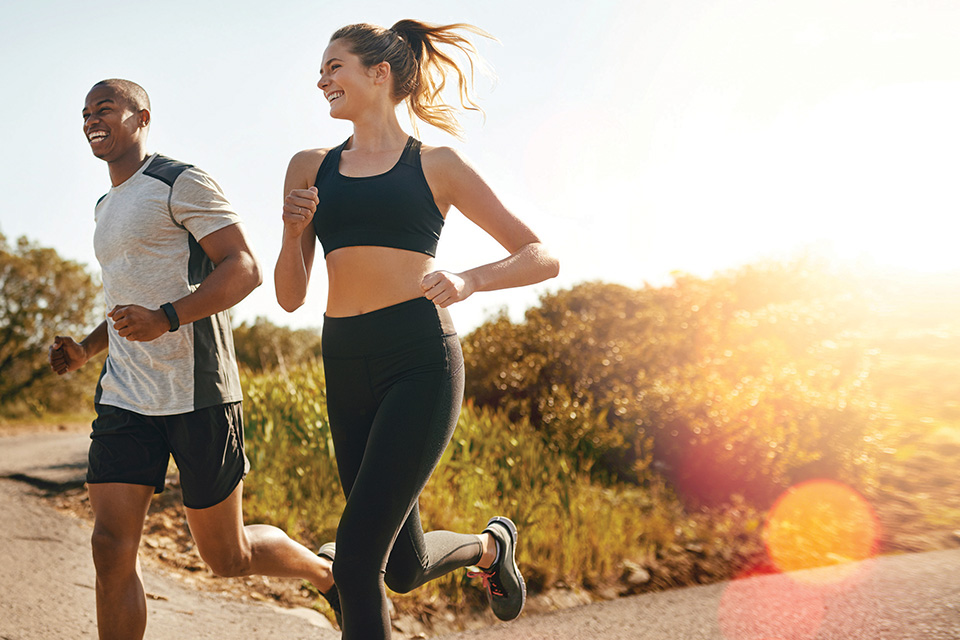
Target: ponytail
420, 67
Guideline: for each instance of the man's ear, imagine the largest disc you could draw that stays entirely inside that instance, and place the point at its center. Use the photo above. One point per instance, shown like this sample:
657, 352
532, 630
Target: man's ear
143, 117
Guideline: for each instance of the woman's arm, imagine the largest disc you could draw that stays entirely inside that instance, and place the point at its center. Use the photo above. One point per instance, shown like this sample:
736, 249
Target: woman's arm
292, 273
455, 182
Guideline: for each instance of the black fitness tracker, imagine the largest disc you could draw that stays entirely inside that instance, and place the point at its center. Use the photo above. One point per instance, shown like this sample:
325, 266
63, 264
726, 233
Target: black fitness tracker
171, 316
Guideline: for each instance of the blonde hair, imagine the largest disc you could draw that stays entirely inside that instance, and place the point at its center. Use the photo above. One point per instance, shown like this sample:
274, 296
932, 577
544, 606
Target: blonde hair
419, 66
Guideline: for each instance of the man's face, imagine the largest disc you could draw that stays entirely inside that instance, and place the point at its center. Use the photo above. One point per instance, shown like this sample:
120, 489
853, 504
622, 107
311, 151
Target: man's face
110, 123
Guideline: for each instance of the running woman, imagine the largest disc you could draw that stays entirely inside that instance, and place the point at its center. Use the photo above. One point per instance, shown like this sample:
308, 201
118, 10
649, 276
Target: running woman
174, 258
392, 359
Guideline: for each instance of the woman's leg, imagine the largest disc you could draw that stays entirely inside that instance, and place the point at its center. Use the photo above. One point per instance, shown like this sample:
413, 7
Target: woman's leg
413, 423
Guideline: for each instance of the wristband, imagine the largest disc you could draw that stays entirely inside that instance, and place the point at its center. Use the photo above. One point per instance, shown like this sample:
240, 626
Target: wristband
172, 316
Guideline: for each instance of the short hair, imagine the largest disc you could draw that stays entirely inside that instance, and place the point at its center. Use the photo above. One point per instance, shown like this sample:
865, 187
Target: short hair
133, 94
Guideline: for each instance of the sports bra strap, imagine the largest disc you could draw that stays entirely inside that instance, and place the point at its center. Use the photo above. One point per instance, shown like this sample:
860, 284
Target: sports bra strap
331, 159
411, 153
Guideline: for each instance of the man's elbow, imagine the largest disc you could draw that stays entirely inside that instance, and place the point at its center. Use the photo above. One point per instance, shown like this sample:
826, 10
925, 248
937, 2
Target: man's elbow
254, 272
289, 305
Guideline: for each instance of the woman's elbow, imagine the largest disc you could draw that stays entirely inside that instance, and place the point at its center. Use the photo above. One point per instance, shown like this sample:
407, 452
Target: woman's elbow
549, 265
553, 267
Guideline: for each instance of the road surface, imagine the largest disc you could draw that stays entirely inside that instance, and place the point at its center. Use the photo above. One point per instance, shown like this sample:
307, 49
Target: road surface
46, 587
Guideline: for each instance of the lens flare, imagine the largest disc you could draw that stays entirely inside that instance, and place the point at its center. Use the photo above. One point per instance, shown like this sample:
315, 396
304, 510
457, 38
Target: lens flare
821, 523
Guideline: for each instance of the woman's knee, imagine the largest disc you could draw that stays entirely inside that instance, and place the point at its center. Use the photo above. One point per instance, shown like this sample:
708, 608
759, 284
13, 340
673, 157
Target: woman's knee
403, 579
355, 573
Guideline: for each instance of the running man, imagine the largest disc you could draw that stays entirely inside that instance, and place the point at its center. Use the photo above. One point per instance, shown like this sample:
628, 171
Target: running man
174, 258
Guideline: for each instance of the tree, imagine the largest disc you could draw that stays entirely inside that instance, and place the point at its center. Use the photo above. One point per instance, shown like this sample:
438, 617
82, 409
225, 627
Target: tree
41, 296
264, 346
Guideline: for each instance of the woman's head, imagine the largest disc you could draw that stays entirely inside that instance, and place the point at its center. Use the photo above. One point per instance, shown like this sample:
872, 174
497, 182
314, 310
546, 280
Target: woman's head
417, 66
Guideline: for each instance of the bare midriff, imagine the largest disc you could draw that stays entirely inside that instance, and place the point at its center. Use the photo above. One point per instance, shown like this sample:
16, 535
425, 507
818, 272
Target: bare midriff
364, 279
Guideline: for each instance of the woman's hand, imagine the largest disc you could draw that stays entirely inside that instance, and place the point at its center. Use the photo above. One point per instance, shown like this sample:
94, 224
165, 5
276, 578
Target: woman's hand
444, 288
298, 209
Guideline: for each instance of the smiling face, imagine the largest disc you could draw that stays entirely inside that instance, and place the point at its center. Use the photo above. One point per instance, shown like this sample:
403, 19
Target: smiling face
112, 125
347, 84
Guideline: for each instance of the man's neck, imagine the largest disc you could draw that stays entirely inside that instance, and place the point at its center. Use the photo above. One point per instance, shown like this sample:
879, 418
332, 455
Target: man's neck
122, 168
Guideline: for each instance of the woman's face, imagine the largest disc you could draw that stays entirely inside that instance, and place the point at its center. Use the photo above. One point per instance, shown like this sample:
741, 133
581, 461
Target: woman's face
346, 83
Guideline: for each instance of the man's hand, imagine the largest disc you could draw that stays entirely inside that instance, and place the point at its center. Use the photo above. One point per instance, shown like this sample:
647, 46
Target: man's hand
66, 355
139, 324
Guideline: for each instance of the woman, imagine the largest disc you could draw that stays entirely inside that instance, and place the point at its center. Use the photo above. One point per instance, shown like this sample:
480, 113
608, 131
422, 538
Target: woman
392, 360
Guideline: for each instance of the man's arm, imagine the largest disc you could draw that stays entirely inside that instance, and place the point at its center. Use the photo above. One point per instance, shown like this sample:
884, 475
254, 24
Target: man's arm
67, 355
236, 273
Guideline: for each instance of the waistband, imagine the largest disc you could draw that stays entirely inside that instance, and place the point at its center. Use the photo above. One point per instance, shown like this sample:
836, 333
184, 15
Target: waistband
384, 330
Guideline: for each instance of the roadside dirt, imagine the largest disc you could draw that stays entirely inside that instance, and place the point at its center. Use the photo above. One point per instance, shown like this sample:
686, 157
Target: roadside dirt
916, 499
916, 502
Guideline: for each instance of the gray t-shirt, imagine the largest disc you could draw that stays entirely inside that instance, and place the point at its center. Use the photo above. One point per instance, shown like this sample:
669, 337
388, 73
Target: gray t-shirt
146, 242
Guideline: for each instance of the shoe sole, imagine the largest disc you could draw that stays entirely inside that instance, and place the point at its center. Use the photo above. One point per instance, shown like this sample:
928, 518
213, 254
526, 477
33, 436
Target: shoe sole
328, 551
511, 528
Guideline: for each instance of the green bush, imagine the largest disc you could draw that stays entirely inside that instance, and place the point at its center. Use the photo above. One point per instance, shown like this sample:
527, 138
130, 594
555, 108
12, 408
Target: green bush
738, 385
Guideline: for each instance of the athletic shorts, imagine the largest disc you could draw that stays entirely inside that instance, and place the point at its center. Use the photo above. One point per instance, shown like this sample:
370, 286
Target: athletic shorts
206, 444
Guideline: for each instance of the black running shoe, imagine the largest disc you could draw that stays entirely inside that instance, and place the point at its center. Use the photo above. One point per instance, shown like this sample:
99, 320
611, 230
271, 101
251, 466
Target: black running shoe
332, 596
505, 588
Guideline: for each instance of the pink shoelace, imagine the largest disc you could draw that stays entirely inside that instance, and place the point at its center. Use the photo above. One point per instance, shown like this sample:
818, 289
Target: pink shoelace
487, 583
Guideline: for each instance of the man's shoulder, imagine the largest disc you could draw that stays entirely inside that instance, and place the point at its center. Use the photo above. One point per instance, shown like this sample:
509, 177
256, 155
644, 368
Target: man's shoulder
165, 169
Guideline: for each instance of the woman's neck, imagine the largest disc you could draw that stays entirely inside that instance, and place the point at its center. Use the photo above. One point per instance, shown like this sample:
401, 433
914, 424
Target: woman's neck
379, 133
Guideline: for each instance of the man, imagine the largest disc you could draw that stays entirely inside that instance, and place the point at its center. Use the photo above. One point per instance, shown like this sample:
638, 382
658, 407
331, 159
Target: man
174, 258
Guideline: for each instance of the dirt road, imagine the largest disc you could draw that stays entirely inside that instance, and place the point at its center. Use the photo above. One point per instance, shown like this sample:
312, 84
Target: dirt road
47, 576
46, 587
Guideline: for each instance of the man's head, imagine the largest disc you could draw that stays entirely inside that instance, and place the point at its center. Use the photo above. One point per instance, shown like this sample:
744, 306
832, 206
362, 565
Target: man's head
116, 117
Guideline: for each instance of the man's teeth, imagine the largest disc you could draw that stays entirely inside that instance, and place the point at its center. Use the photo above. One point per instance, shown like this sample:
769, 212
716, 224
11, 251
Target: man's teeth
97, 135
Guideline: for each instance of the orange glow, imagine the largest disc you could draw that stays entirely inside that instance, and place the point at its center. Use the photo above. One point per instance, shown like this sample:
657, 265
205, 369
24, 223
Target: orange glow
821, 523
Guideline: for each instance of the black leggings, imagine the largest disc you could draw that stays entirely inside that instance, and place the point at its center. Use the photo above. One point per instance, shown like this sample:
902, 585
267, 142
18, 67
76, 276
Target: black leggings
394, 387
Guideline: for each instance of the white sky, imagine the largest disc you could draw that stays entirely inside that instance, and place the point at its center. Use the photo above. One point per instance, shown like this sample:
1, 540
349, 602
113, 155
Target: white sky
638, 138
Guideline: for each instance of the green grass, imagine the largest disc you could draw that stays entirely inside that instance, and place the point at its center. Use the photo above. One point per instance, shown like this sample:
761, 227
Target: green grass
574, 532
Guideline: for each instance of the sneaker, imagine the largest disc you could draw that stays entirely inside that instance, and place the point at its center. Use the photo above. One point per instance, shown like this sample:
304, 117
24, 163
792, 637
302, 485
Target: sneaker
329, 551
505, 588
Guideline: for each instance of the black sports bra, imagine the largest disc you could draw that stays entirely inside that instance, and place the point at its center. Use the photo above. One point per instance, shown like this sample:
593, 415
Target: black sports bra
394, 209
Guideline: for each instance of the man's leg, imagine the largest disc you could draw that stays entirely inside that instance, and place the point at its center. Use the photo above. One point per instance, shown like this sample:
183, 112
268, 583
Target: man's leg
232, 549
120, 510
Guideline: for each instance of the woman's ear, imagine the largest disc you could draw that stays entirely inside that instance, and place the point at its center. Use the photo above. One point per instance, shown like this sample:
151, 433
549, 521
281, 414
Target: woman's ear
382, 72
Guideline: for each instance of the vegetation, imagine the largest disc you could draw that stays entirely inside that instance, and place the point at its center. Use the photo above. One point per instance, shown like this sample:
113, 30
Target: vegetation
638, 436
263, 346
743, 384
41, 296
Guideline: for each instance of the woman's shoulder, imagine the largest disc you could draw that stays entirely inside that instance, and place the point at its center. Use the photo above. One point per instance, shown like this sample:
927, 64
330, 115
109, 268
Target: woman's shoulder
442, 159
305, 164
309, 156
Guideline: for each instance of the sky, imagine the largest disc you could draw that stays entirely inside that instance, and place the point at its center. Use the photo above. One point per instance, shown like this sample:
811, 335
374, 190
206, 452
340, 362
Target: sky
638, 138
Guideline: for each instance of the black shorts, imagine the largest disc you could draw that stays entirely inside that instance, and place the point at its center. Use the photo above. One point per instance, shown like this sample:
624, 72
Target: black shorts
207, 445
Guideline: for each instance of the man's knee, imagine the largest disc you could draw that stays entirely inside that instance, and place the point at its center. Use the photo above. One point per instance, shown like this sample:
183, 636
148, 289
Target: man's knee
113, 555
227, 562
